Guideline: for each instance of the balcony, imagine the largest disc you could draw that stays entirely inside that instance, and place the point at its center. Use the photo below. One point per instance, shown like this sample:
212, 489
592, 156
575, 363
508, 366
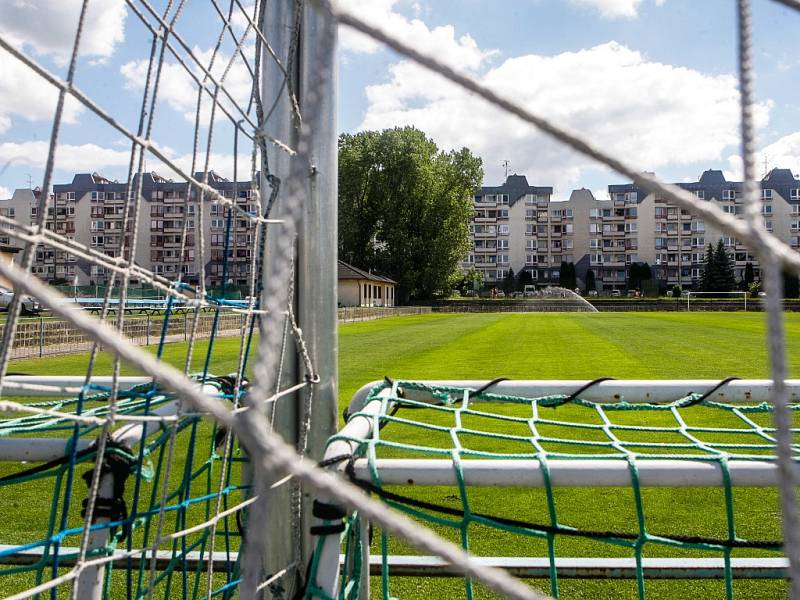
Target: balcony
486, 219
485, 234
485, 204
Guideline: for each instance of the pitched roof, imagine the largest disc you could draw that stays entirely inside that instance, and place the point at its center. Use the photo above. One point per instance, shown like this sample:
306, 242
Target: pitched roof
347, 271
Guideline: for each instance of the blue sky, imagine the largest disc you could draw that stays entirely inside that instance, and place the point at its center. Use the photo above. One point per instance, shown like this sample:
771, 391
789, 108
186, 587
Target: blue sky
650, 80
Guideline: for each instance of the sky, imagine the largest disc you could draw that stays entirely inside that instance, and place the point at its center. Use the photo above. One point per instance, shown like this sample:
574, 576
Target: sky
651, 81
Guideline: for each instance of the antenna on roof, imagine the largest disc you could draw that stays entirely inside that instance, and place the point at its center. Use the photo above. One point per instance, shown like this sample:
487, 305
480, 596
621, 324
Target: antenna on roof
30, 182
505, 163
766, 166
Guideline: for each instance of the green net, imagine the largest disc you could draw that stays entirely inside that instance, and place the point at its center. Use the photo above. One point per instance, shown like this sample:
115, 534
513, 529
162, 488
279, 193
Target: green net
176, 506
418, 421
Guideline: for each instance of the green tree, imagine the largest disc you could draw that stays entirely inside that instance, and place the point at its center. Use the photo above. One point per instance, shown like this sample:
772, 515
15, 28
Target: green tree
566, 276
591, 285
725, 278
749, 275
524, 278
471, 280
509, 282
405, 207
709, 270
791, 286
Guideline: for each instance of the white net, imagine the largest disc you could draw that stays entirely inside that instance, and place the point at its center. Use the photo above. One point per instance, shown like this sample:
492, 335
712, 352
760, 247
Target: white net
188, 499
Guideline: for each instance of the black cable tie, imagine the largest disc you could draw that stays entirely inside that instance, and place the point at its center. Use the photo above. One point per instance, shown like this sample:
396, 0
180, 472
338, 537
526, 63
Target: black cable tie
329, 512
333, 460
321, 530
480, 390
574, 395
708, 394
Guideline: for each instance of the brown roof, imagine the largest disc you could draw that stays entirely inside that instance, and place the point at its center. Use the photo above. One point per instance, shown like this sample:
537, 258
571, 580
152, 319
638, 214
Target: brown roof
347, 271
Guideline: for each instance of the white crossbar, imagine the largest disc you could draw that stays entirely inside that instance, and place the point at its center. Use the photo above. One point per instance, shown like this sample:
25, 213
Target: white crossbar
630, 390
571, 473
433, 566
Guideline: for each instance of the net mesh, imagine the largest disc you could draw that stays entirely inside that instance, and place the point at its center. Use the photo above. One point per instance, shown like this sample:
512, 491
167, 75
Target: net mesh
458, 424
182, 491
144, 490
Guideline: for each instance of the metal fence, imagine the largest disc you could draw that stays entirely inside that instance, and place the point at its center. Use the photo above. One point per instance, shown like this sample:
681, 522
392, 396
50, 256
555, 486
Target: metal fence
350, 314
42, 336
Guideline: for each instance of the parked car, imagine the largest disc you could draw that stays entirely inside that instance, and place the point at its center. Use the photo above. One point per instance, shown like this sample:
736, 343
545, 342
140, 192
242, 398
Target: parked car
592, 293
616, 293
30, 306
500, 294
530, 291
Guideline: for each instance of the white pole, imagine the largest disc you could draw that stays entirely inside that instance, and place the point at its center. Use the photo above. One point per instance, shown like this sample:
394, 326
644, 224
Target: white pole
575, 473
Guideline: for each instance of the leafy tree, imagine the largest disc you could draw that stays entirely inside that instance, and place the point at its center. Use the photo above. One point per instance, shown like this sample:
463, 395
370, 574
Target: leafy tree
725, 280
509, 282
472, 279
524, 278
749, 275
638, 273
709, 270
791, 286
567, 277
591, 286
405, 207
676, 291
754, 289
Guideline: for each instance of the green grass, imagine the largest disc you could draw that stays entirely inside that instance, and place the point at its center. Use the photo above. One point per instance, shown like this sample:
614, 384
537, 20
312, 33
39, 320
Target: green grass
534, 346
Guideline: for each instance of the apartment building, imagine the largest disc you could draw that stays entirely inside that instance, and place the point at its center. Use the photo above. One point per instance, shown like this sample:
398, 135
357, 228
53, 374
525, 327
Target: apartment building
518, 226
91, 208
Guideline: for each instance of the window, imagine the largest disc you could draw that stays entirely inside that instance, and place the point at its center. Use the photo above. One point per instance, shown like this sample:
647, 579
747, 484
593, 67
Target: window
530, 259
504, 229
530, 229
568, 228
567, 244
530, 214
631, 227
594, 213
728, 194
768, 209
768, 225
594, 228
502, 213
156, 225
502, 244
701, 194
794, 194
502, 258
502, 198
594, 244
217, 223
766, 194
530, 244
98, 240
216, 210
97, 226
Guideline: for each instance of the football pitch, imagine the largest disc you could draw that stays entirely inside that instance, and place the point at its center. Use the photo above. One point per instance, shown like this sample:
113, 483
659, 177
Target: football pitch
535, 346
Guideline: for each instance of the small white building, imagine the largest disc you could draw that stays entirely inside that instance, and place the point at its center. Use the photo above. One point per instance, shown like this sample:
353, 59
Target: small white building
360, 288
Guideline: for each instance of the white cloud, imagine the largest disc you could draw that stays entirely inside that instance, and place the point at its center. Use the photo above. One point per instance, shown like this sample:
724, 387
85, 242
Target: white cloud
440, 41
783, 153
88, 158
79, 158
48, 27
649, 114
614, 9
5, 192
179, 90
24, 94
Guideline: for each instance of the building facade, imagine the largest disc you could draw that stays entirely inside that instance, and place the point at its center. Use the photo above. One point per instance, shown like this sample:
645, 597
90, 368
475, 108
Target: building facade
91, 208
361, 288
518, 226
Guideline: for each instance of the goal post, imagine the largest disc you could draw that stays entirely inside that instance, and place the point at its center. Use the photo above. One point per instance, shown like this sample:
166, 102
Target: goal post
714, 295
745, 458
